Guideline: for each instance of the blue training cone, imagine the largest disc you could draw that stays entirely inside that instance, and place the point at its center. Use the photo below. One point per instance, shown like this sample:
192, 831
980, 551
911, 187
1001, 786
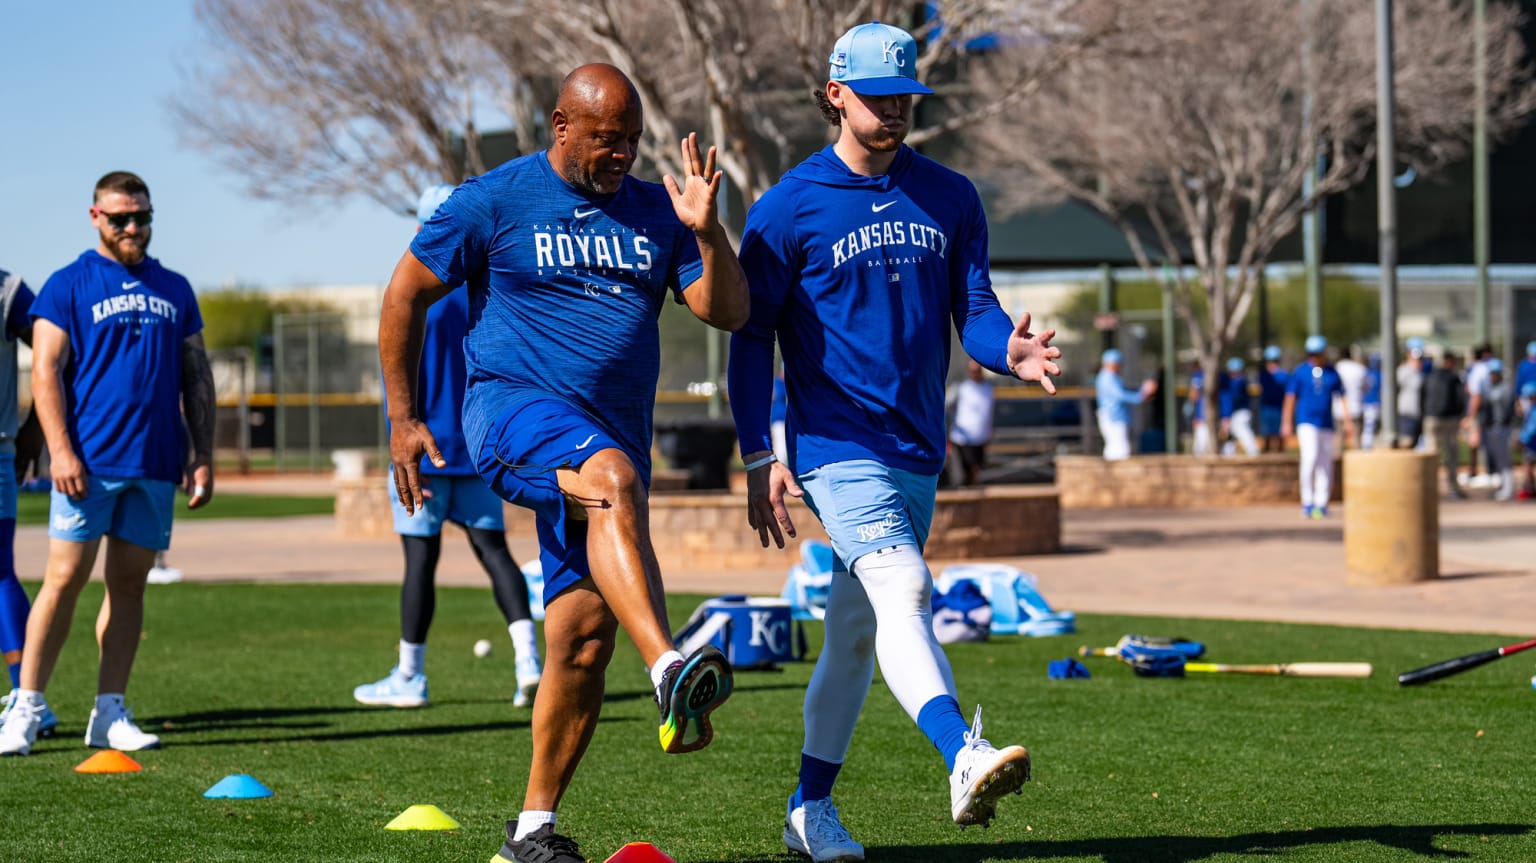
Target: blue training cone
238, 786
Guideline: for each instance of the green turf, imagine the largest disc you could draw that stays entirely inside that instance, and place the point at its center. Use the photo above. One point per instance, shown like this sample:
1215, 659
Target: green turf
33, 508
257, 679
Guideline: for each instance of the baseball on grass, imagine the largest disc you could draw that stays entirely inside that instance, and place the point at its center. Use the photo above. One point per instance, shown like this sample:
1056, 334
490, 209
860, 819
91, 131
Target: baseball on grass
482, 648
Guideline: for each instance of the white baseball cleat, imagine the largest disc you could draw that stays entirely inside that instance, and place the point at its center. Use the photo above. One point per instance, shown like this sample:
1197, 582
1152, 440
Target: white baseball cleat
813, 829
116, 730
983, 774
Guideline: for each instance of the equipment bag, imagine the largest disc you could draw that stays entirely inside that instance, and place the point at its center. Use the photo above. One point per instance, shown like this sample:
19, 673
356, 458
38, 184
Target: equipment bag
754, 632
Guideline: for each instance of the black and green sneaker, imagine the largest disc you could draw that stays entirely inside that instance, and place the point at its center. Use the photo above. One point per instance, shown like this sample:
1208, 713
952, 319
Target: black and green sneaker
543, 845
689, 692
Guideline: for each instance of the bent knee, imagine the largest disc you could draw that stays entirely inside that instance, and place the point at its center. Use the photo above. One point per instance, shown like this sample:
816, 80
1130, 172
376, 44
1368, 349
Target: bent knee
611, 476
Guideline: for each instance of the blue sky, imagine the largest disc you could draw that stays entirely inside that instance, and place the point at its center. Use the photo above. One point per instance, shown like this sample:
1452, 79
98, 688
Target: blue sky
86, 86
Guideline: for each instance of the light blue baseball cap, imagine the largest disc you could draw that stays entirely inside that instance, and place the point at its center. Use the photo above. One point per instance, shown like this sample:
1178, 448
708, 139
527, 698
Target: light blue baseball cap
1235, 364
877, 59
1530, 349
432, 198
1528, 389
1415, 344
1494, 366
1272, 353
1316, 344
1111, 356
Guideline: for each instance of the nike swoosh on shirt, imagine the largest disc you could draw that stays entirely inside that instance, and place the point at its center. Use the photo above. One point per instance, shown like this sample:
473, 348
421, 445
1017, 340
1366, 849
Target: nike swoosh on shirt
878, 207
583, 444
582, 214
128, 286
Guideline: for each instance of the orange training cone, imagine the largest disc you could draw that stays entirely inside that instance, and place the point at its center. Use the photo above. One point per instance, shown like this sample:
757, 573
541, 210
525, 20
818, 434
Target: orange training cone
108, 761
639, 852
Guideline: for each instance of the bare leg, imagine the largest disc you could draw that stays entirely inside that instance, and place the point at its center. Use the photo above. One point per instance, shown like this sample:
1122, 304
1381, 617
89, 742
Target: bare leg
121, 621
53, 609
579, 632
623, 562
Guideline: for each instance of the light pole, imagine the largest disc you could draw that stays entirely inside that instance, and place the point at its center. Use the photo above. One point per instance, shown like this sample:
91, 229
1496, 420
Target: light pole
1386, 205
1480, 215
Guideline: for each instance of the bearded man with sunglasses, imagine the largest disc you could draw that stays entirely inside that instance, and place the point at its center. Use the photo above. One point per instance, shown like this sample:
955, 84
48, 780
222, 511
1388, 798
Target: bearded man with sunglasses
118, 356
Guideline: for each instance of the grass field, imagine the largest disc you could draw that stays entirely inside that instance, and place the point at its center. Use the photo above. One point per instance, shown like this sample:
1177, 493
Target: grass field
33, 508
257, 679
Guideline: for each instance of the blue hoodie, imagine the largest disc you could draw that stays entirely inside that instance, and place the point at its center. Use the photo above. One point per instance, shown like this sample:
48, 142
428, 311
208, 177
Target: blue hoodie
858, 279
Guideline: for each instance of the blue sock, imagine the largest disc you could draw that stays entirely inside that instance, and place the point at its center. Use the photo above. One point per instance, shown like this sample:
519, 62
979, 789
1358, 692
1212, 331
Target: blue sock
15, 670
816, 779
941, 720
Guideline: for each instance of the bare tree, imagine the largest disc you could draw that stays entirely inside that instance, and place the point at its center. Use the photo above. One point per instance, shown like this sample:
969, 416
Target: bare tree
371, 97
1185, 125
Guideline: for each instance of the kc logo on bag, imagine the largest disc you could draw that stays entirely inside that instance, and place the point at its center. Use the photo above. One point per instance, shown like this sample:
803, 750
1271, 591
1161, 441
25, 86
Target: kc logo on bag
770, 630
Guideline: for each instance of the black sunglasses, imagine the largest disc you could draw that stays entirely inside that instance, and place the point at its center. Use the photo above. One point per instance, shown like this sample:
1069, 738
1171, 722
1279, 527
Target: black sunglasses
119, 221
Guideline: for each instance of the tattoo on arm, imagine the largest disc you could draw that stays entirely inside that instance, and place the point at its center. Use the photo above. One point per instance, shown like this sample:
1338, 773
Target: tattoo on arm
197, 395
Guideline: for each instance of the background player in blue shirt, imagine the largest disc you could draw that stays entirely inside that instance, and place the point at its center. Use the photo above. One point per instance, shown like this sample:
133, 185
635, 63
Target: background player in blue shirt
454, 493
859, 259
20, 446
567, 262
1309, 409
1235, 405
1114, 406
117, 356
1272, 381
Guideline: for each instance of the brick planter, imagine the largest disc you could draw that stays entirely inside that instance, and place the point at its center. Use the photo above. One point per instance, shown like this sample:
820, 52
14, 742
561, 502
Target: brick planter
1090, 482
708, 530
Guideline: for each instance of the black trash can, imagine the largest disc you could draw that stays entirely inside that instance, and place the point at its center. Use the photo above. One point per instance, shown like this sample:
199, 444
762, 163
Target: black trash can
702, 447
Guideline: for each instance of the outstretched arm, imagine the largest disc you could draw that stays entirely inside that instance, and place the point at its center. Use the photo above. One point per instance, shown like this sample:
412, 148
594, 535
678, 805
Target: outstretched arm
402, 327
719, 297
198, 405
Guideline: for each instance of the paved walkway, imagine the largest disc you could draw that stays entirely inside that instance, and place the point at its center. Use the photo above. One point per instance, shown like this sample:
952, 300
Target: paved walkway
1262, 563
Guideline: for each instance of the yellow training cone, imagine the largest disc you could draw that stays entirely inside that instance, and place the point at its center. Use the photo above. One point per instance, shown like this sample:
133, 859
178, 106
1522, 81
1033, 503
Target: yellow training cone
423, 816
108, 761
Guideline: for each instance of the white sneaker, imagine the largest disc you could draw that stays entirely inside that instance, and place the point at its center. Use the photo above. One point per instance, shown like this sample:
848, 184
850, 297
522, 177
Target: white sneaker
118, 731
48, 721
813, 829
529, 672
23, 719
165, 575
982, 775
394, 691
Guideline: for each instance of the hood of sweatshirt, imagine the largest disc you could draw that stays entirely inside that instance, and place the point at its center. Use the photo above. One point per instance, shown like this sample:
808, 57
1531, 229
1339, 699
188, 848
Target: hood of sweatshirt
824, 168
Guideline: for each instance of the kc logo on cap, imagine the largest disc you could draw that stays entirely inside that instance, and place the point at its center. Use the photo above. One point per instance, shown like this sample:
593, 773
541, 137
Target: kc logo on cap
877, 59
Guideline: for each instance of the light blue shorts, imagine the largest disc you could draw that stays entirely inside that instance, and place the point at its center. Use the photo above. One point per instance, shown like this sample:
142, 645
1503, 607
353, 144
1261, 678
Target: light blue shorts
135, 510
464, 500
866, 506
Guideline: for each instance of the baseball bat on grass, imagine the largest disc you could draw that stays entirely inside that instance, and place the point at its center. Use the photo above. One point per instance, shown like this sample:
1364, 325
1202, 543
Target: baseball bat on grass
1460, 664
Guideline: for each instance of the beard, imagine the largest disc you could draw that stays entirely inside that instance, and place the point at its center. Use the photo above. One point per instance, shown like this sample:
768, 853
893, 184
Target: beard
593, 182
128, 250
881, 139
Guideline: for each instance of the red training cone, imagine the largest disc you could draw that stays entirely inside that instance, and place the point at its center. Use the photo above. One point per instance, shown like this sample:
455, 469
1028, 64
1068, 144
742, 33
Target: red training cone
639, 852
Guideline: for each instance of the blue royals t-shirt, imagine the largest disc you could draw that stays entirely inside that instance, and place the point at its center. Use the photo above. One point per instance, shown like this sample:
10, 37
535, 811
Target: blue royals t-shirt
1314, 388
126, 326
565, 289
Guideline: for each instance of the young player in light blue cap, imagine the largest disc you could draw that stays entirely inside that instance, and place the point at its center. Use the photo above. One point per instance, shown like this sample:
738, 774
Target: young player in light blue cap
1528, 438
1309, 407
859, 260
1114, 403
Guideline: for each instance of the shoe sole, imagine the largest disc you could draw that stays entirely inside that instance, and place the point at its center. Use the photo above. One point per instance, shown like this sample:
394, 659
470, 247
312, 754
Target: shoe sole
403, 702
155, 745
793, 843
704, 684
1006, 777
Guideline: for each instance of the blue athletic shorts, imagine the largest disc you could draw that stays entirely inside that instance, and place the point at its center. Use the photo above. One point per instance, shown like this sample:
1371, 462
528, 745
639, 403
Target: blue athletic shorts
1269, 421
866, 506
464, 500
135, 510
523, 447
